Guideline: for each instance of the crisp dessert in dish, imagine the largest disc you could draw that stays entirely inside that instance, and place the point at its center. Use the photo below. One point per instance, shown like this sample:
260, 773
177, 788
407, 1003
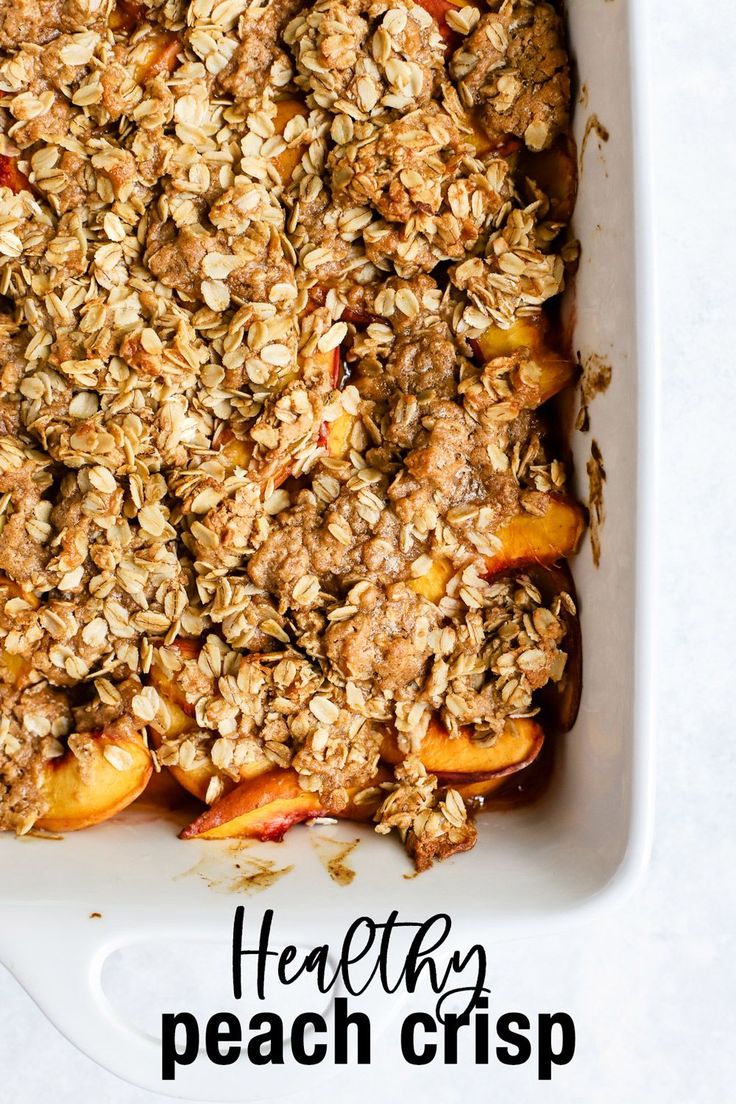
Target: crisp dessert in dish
283, 505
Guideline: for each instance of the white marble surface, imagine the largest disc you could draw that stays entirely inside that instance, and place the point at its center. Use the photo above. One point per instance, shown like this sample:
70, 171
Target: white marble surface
651, 985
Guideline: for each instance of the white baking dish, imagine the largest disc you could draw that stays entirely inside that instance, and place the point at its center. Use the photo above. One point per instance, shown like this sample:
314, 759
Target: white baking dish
583, 845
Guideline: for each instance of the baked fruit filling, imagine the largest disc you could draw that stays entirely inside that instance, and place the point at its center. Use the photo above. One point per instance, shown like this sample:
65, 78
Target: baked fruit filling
281, 491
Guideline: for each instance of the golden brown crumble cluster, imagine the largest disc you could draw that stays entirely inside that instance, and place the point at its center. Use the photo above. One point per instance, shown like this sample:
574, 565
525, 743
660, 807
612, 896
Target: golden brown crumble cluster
254, 471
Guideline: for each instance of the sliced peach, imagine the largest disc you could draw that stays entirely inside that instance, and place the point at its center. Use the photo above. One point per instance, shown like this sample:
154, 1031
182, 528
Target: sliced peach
115, 770
526, 539
126, 15
479, 136
11, 176
196, 780
320, 366
287, 161
338, 435
472, 791
541, 539
433, 584
9, 588
438, 9
463, 759
182, 720
15, 670
155, 54
545, 372
335, 436
265, 808
543, 379
555, 172
168, 688
525, 333
262, 808
235, 452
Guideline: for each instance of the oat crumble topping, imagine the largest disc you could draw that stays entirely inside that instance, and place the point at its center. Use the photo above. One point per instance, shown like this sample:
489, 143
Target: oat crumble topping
249, 251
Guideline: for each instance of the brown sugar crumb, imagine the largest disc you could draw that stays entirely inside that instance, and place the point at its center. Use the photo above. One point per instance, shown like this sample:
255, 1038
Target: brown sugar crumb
433, 827
386, 639
259, 54
434, 198
362, 59
514, 68
40, 21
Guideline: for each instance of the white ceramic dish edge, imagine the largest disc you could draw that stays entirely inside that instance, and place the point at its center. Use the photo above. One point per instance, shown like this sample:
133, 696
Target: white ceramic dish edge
57, 953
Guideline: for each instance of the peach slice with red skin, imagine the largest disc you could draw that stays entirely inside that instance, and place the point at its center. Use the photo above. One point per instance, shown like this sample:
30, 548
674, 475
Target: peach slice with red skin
113, 774
266, 807
262, 808
461, 759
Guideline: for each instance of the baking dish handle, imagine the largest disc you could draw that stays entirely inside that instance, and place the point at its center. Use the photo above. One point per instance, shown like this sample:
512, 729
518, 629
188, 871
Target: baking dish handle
60, 962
